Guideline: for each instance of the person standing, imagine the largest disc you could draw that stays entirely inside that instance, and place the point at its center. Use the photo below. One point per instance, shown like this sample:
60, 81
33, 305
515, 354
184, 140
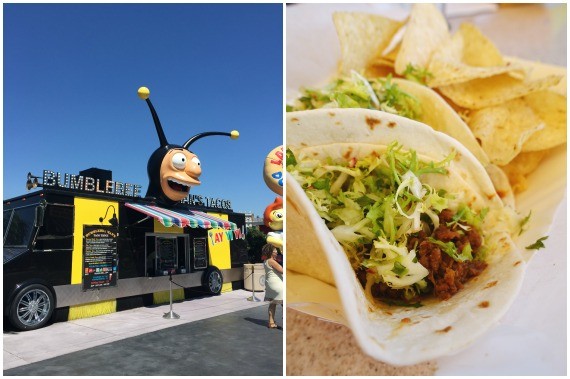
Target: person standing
273, 281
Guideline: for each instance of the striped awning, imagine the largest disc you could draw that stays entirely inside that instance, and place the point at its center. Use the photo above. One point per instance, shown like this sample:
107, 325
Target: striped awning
182, 218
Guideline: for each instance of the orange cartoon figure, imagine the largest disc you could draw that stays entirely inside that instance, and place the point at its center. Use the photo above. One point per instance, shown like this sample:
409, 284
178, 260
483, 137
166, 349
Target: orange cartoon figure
273, 219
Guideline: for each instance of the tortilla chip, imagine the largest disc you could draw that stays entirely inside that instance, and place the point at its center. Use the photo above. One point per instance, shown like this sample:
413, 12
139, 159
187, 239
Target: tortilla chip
383, 65
518, 181
393, 54
425, 31
522, 166
362, 38
551, 109
386, 60
495, 90
478, 50
379, 71
381, 61
538, 70
502, 130
468, 55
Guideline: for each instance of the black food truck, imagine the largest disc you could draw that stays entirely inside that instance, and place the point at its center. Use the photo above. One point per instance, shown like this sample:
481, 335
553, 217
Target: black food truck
87, 245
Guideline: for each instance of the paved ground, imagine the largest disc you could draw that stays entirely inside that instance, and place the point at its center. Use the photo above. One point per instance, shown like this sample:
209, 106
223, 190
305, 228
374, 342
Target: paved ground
222, 335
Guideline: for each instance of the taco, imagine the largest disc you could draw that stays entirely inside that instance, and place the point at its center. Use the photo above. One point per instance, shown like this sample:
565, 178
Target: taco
403, 97
406, 223
409, 99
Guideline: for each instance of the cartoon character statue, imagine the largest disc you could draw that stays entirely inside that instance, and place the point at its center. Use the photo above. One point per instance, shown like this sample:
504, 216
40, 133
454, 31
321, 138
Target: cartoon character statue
274, 213
173, 169
273, 219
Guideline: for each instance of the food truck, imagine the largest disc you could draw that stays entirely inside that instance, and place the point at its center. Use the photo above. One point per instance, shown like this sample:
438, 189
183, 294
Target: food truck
86, 244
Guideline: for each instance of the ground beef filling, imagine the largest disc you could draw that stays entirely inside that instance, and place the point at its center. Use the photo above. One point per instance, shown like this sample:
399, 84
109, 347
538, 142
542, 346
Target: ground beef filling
446, 276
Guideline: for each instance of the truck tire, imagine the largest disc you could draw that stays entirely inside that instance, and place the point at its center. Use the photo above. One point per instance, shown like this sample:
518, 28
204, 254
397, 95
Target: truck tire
212, 280
32, 307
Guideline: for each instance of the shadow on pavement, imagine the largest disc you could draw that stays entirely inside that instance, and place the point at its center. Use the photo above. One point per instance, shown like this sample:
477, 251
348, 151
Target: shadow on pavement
227, 345
256, 321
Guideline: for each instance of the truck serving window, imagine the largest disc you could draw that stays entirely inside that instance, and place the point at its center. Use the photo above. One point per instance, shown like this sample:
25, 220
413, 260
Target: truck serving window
57, 230
20, 226
165, 253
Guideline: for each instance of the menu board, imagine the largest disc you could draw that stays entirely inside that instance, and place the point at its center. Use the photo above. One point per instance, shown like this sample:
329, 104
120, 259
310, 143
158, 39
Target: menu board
168, 254
99, 256
200, 253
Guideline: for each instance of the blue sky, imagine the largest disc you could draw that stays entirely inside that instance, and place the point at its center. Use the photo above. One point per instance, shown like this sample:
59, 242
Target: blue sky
71, 74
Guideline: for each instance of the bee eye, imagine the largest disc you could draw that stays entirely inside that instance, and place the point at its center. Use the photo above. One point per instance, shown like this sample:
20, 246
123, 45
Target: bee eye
196, 160
179, 161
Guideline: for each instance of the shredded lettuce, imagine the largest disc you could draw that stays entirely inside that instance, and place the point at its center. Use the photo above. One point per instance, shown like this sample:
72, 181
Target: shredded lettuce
356, 91
395, 265
373, 205
523, 225
290, 159
468, 216
348, 233
417, 74
450, 249
410, 188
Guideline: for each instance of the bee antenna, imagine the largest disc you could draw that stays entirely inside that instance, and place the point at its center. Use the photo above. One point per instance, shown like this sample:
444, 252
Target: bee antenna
144, 94
234, 134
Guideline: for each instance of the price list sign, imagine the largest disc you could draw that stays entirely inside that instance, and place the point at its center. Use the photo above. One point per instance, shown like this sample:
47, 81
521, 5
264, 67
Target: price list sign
167, 253
99, 257
200, 253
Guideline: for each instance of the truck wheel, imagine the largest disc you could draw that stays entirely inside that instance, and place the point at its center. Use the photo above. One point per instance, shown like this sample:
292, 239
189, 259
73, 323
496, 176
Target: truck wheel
32, 307
212, 280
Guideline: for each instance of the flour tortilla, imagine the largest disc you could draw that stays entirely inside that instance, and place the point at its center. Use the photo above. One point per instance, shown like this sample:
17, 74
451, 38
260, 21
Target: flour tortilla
438, 114
399, 335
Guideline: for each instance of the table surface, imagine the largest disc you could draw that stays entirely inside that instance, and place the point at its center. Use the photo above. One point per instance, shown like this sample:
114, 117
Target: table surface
540, 32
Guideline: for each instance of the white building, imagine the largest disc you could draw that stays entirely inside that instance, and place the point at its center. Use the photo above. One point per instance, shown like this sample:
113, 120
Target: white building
252, 220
